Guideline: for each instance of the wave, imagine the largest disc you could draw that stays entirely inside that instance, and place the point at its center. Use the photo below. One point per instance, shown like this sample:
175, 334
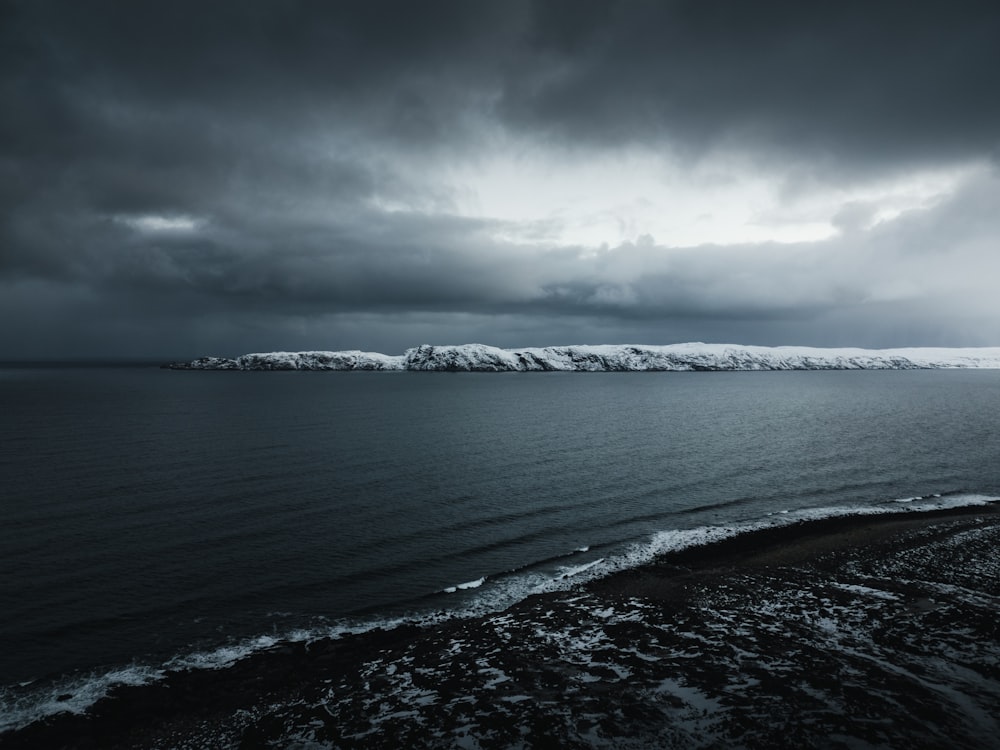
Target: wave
675, 540
578, 569
463, 586
26, 703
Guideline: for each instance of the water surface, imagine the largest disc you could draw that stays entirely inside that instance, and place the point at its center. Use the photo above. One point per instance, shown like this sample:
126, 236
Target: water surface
150, 513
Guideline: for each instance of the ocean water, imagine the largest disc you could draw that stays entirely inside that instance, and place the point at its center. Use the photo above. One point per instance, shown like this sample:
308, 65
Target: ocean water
153, 518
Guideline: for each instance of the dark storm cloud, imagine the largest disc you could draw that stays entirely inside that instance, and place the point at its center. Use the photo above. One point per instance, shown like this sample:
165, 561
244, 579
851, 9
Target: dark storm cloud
872, 79
277, 137
290, 65
882, 80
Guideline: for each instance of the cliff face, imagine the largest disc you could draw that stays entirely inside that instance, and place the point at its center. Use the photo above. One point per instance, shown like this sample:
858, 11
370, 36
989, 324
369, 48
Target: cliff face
609, 358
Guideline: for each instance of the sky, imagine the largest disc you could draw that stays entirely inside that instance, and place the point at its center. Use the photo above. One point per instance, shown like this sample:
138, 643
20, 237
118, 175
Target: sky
183, 178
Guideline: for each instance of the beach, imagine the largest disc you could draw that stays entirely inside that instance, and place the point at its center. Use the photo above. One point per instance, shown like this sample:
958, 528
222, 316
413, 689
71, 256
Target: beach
856, 631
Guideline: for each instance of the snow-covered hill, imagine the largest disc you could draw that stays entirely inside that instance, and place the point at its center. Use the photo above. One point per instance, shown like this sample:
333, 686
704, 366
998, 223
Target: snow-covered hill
350, 360
610, 358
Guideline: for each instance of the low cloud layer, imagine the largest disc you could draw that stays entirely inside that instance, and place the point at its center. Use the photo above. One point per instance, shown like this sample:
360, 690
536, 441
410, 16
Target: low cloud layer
181, 180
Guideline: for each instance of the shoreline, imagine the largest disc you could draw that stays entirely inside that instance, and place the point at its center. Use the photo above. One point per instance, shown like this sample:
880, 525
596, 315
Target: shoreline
796, 543
644, 654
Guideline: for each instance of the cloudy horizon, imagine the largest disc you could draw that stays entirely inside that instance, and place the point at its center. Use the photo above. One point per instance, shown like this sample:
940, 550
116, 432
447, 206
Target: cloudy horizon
182, 179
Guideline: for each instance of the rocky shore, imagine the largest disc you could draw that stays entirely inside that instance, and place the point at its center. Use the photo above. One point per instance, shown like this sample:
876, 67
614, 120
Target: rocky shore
846, 632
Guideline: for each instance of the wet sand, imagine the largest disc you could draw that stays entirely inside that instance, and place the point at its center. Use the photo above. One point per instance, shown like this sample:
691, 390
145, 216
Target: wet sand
847, 632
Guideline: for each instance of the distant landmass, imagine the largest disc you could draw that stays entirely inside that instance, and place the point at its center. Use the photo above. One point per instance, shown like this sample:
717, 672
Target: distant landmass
610, 358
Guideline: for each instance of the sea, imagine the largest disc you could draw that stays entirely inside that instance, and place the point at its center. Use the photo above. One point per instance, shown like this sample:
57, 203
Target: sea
157, 520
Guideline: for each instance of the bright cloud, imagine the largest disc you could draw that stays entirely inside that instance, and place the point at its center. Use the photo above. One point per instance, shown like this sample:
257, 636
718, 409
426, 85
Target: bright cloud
606, 199
153, 223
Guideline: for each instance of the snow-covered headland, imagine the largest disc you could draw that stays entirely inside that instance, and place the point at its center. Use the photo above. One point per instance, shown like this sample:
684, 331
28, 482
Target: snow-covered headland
610, 358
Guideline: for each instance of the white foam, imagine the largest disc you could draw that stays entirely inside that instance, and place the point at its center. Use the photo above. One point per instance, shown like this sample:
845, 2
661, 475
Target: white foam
918, 497
226, 656
73, 695
568, 572
464, 586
